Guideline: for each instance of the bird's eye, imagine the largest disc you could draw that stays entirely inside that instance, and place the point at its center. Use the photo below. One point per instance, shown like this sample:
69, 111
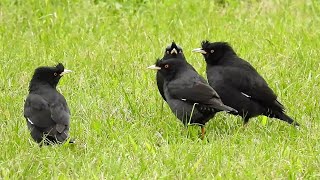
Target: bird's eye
55, 74
166, 66
212, 51
180, 52
168, 52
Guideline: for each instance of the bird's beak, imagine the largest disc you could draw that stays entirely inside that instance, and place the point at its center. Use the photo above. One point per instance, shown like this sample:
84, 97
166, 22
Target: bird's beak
66, 71
154, 67
174, 51
199, 50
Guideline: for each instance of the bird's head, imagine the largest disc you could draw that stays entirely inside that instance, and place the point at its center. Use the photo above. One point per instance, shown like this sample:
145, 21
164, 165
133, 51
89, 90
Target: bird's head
213, 52
173, 51
168, 67
50, 75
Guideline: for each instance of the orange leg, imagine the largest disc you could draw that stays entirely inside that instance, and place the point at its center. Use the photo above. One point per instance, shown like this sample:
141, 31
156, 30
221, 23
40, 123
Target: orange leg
203, 131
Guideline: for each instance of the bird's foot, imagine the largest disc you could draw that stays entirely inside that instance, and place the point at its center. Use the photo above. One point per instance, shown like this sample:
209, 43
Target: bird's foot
203, 131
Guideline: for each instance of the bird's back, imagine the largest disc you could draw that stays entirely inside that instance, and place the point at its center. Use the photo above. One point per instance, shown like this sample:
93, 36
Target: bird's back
235, 77
37, 111
38, 108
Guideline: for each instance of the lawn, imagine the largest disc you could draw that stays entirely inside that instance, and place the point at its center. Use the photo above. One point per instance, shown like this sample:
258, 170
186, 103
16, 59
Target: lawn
122, 127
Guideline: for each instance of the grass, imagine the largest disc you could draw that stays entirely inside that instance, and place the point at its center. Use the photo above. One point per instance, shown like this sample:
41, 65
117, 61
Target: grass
123, 129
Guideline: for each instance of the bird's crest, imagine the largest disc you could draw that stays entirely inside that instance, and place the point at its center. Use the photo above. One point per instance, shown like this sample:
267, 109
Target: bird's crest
174, 45
205, 44
221, 45
60, 67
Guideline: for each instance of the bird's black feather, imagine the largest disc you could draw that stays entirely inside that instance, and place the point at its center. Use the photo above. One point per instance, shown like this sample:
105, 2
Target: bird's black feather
239, 84
190, 99
167, 55
45, 109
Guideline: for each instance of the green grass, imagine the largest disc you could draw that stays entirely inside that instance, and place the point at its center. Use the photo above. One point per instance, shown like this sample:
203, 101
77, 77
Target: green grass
123, 129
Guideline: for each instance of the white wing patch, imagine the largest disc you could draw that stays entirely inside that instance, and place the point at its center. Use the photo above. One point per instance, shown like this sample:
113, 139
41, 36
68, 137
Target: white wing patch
29, 121
246, 95
183, 99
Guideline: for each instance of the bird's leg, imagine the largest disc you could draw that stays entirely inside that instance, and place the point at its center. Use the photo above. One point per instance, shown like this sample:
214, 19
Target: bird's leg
245, 118
203, 131
41, 144
245, 121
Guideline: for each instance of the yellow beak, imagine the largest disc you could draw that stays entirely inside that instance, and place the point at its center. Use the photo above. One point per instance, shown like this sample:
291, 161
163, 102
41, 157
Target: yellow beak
154, 67
66, 71
199, 50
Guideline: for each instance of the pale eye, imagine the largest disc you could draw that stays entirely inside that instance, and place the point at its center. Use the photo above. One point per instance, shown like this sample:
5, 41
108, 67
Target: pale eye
180, 52
168, 52
166, 66
55, 74
212, 51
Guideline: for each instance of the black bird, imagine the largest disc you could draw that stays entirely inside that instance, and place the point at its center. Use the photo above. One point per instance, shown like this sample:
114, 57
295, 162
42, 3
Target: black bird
46, 111
239, 84
172, 51
189, 98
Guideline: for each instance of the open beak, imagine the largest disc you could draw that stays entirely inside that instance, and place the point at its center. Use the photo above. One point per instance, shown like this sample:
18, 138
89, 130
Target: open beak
174, 51
154, 67
199, 50
66, 71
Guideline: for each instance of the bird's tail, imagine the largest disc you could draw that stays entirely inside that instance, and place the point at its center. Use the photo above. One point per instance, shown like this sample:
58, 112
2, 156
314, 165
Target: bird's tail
230, 109
226, 108
282, 116
216, 108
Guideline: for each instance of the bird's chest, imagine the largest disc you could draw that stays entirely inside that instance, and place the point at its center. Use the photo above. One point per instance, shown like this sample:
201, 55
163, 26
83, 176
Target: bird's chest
216, 77
166, 91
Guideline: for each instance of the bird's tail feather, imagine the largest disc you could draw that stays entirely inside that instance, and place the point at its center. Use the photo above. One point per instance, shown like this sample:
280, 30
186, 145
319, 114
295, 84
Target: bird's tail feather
230, 109
216, 108
226, 108
282, 116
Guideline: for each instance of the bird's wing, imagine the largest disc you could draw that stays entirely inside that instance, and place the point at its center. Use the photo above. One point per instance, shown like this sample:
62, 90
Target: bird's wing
199, 93
37, 111
252, 85
160, 80
60, 114
40, 113
195, 92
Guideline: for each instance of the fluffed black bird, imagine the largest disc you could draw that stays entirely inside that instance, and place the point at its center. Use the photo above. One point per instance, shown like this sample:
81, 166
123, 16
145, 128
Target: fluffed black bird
189, 98
172, 51
46, 111
239, 84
